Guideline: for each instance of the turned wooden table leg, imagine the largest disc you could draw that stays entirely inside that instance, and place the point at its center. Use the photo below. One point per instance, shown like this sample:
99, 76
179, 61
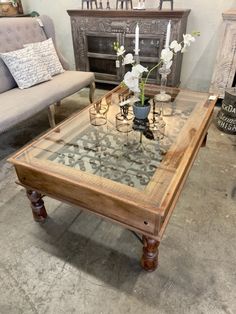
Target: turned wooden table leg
37, 205
204, 141
149, 259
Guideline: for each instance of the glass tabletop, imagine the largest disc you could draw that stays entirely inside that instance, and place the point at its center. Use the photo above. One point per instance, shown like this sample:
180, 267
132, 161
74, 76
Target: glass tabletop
125, 156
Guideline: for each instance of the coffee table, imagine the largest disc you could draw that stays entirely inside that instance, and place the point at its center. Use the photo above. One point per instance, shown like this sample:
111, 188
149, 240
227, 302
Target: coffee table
124, 177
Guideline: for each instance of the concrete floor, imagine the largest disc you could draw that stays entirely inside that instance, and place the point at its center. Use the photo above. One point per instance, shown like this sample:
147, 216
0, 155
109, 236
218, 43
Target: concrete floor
79, 263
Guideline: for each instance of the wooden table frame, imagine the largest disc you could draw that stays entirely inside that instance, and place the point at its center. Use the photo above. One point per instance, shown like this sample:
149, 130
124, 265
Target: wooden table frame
135, 210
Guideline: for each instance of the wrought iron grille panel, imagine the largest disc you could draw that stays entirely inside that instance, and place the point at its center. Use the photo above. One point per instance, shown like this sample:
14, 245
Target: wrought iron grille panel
105, 152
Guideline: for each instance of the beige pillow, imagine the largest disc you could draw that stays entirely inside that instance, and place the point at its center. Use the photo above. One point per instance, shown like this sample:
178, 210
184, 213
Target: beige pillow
26, 67
46, 50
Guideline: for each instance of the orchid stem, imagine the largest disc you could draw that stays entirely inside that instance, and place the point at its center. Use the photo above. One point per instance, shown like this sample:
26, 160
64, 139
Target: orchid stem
153, 68
142, 84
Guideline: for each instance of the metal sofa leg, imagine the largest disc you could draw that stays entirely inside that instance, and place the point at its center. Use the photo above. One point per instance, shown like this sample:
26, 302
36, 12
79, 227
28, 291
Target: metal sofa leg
51, 115
91, 91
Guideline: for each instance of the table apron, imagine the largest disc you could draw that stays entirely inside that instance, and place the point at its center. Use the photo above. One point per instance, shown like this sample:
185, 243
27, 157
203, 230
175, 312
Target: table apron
113, 208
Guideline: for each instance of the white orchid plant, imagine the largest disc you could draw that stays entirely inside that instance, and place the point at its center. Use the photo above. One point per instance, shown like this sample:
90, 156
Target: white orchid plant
134, 79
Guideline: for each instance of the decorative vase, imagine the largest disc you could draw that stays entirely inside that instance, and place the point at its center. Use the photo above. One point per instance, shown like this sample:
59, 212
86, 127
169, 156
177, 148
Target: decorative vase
141, 112
163, 96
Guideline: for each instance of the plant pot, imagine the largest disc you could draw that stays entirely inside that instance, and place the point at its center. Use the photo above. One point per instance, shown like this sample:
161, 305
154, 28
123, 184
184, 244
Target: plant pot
141, 112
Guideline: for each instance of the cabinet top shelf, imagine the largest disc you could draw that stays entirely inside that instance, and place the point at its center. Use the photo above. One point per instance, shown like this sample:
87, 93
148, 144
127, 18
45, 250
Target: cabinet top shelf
148, 13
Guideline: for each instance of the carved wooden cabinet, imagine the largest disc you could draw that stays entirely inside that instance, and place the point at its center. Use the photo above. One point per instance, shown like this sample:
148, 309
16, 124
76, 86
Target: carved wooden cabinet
94, 32
224, 74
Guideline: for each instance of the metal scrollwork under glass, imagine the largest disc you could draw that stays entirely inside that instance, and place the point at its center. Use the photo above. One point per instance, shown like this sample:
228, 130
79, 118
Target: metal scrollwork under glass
103, 153
130, 158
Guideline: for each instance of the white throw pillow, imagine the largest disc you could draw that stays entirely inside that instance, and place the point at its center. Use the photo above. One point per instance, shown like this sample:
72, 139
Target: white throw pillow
46, 50
26, 67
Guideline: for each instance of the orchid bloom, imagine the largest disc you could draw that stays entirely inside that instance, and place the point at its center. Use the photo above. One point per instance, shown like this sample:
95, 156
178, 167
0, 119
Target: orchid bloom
168, 64
188, 38
166, 55
187, 41
138, 70
120, 51
132, 82
128, 59
175, 46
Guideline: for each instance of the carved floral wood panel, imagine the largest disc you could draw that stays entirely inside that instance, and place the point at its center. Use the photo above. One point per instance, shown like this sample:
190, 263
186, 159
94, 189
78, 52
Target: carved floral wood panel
225, 68
111, 26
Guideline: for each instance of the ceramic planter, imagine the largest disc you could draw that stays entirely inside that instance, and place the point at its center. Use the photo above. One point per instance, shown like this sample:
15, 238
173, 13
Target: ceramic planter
141, 112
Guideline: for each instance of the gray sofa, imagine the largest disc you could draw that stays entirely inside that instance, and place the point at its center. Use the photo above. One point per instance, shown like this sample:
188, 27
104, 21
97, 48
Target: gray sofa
16, 104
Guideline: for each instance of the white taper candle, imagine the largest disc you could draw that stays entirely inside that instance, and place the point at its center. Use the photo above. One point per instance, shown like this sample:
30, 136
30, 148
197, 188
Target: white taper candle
136, 49
168, 35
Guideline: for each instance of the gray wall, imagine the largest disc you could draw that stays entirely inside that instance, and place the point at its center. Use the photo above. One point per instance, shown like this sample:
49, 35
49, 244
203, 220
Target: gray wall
198, 62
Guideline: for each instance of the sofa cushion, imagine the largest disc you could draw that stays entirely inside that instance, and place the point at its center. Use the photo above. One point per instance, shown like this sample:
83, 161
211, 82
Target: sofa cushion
50, 32
13, 36
17, 105
45, 49
26, 67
